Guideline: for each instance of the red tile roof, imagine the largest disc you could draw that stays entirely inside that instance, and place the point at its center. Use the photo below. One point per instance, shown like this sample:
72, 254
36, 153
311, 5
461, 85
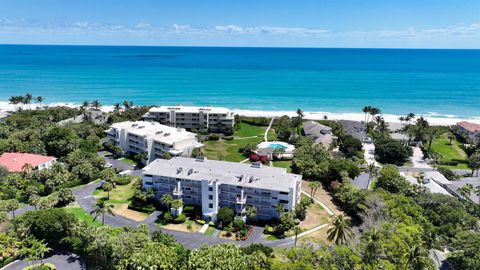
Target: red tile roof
472, 127
15, 161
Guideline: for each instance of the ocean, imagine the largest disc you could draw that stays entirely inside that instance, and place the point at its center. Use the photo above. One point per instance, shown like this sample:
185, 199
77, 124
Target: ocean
435, 83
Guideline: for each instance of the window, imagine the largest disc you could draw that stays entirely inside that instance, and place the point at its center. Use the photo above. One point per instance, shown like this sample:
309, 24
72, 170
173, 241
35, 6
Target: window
283, 201
210, 188
210, 197
210, 205
149, 183
284, 193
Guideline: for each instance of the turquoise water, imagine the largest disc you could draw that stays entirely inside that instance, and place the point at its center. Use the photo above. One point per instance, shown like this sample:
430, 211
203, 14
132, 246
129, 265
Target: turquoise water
443, 82
277, 145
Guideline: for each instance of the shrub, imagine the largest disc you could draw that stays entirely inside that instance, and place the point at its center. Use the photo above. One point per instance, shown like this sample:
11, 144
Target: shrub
123, 180
188, 209
211, 223
167, 217
213, 137
239, 224
180, 219
392, 152
449, 174
189, 225
228, 138
200, 221
269, 229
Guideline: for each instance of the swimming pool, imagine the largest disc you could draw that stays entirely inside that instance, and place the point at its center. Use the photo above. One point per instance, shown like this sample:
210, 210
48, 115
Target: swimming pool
277, 146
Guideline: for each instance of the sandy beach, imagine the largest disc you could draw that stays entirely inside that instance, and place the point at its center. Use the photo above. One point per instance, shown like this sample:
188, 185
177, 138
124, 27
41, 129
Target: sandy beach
433, 119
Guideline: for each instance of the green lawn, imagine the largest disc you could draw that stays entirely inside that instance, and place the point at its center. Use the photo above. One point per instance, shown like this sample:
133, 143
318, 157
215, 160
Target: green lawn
449, 151
82, 215
120, 194
283, 164
209, 231
247, 130
128, 161
228, 150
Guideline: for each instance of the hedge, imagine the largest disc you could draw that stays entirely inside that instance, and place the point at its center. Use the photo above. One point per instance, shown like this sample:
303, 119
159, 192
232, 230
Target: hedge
180, 219
123, 180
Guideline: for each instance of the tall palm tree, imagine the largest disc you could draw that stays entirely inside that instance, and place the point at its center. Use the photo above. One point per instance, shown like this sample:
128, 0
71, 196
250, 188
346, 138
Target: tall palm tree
28, 99
451, 137
107, 187
374, 111
101, 210
280, 209
251, 212
33, 200
11, 206
14, 100
39, 100
85, 104
410, 117
96, 104
126, 104
372, 171
116, 108
416, 258
340, 231
167, 200
297, 231
313, 185
366, 111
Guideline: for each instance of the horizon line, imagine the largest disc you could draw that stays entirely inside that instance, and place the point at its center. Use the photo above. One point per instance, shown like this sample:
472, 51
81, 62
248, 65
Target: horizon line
233, 46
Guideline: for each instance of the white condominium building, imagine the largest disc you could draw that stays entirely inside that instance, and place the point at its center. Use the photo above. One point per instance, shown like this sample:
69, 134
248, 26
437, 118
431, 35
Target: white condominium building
213, 184
206, 118
153, 139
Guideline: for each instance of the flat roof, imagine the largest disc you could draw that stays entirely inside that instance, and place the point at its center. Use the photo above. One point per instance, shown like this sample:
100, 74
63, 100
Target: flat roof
15, 161
190, 109
231, 173
158, 132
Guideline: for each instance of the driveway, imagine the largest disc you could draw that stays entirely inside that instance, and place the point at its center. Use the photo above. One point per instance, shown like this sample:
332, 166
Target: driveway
67, 261
417, 159
115, 163
369, 150
362, 181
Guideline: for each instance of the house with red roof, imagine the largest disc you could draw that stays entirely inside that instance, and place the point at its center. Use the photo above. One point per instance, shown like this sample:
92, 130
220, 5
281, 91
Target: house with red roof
469, 130
15, 162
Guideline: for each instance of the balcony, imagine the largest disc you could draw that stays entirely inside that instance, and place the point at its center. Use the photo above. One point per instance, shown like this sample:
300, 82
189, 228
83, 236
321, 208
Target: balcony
241, 200
177, 192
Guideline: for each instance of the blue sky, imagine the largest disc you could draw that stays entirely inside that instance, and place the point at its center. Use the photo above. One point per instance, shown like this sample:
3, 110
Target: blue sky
282, 23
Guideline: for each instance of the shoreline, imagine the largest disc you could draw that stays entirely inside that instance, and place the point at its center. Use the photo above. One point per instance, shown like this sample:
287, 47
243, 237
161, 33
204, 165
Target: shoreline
433, 119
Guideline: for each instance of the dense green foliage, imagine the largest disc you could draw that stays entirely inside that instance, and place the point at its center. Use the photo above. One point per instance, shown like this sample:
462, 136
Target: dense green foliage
392, 152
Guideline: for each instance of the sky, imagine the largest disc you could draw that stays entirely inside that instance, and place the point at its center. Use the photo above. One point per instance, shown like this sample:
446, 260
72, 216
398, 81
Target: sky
259, 23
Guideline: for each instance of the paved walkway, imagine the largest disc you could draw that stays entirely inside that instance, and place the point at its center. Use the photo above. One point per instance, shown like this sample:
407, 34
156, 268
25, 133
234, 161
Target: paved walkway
65, 261
369, 149
266, 131
417, 159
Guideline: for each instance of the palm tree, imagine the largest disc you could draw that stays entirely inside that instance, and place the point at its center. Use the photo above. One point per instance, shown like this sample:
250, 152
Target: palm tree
39, 100
416, 258
85, 105
313, 185
14, 100
451, 137
251, 212
116, 108
436, 158
340, 231
11, 206
410, 117
41, 249
366, 111
101, 210
177, 204
28, 99
373, 247
107, 187
167, 200
34, 199
372, 171
374, 111
126, 105
474, 162
280, 209
96, 104
297, 231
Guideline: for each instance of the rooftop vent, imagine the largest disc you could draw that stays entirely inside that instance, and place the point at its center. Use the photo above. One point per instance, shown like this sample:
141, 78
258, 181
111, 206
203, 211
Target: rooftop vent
190, 171
179, 170
251, 179
166, 134
159, 132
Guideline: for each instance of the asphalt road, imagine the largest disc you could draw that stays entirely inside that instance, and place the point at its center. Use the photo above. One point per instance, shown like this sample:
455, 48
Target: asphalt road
65, 261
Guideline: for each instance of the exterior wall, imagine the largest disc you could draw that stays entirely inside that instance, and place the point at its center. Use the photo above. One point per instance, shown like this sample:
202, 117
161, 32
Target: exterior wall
212, 195
200, 120
474, 136
46, 164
